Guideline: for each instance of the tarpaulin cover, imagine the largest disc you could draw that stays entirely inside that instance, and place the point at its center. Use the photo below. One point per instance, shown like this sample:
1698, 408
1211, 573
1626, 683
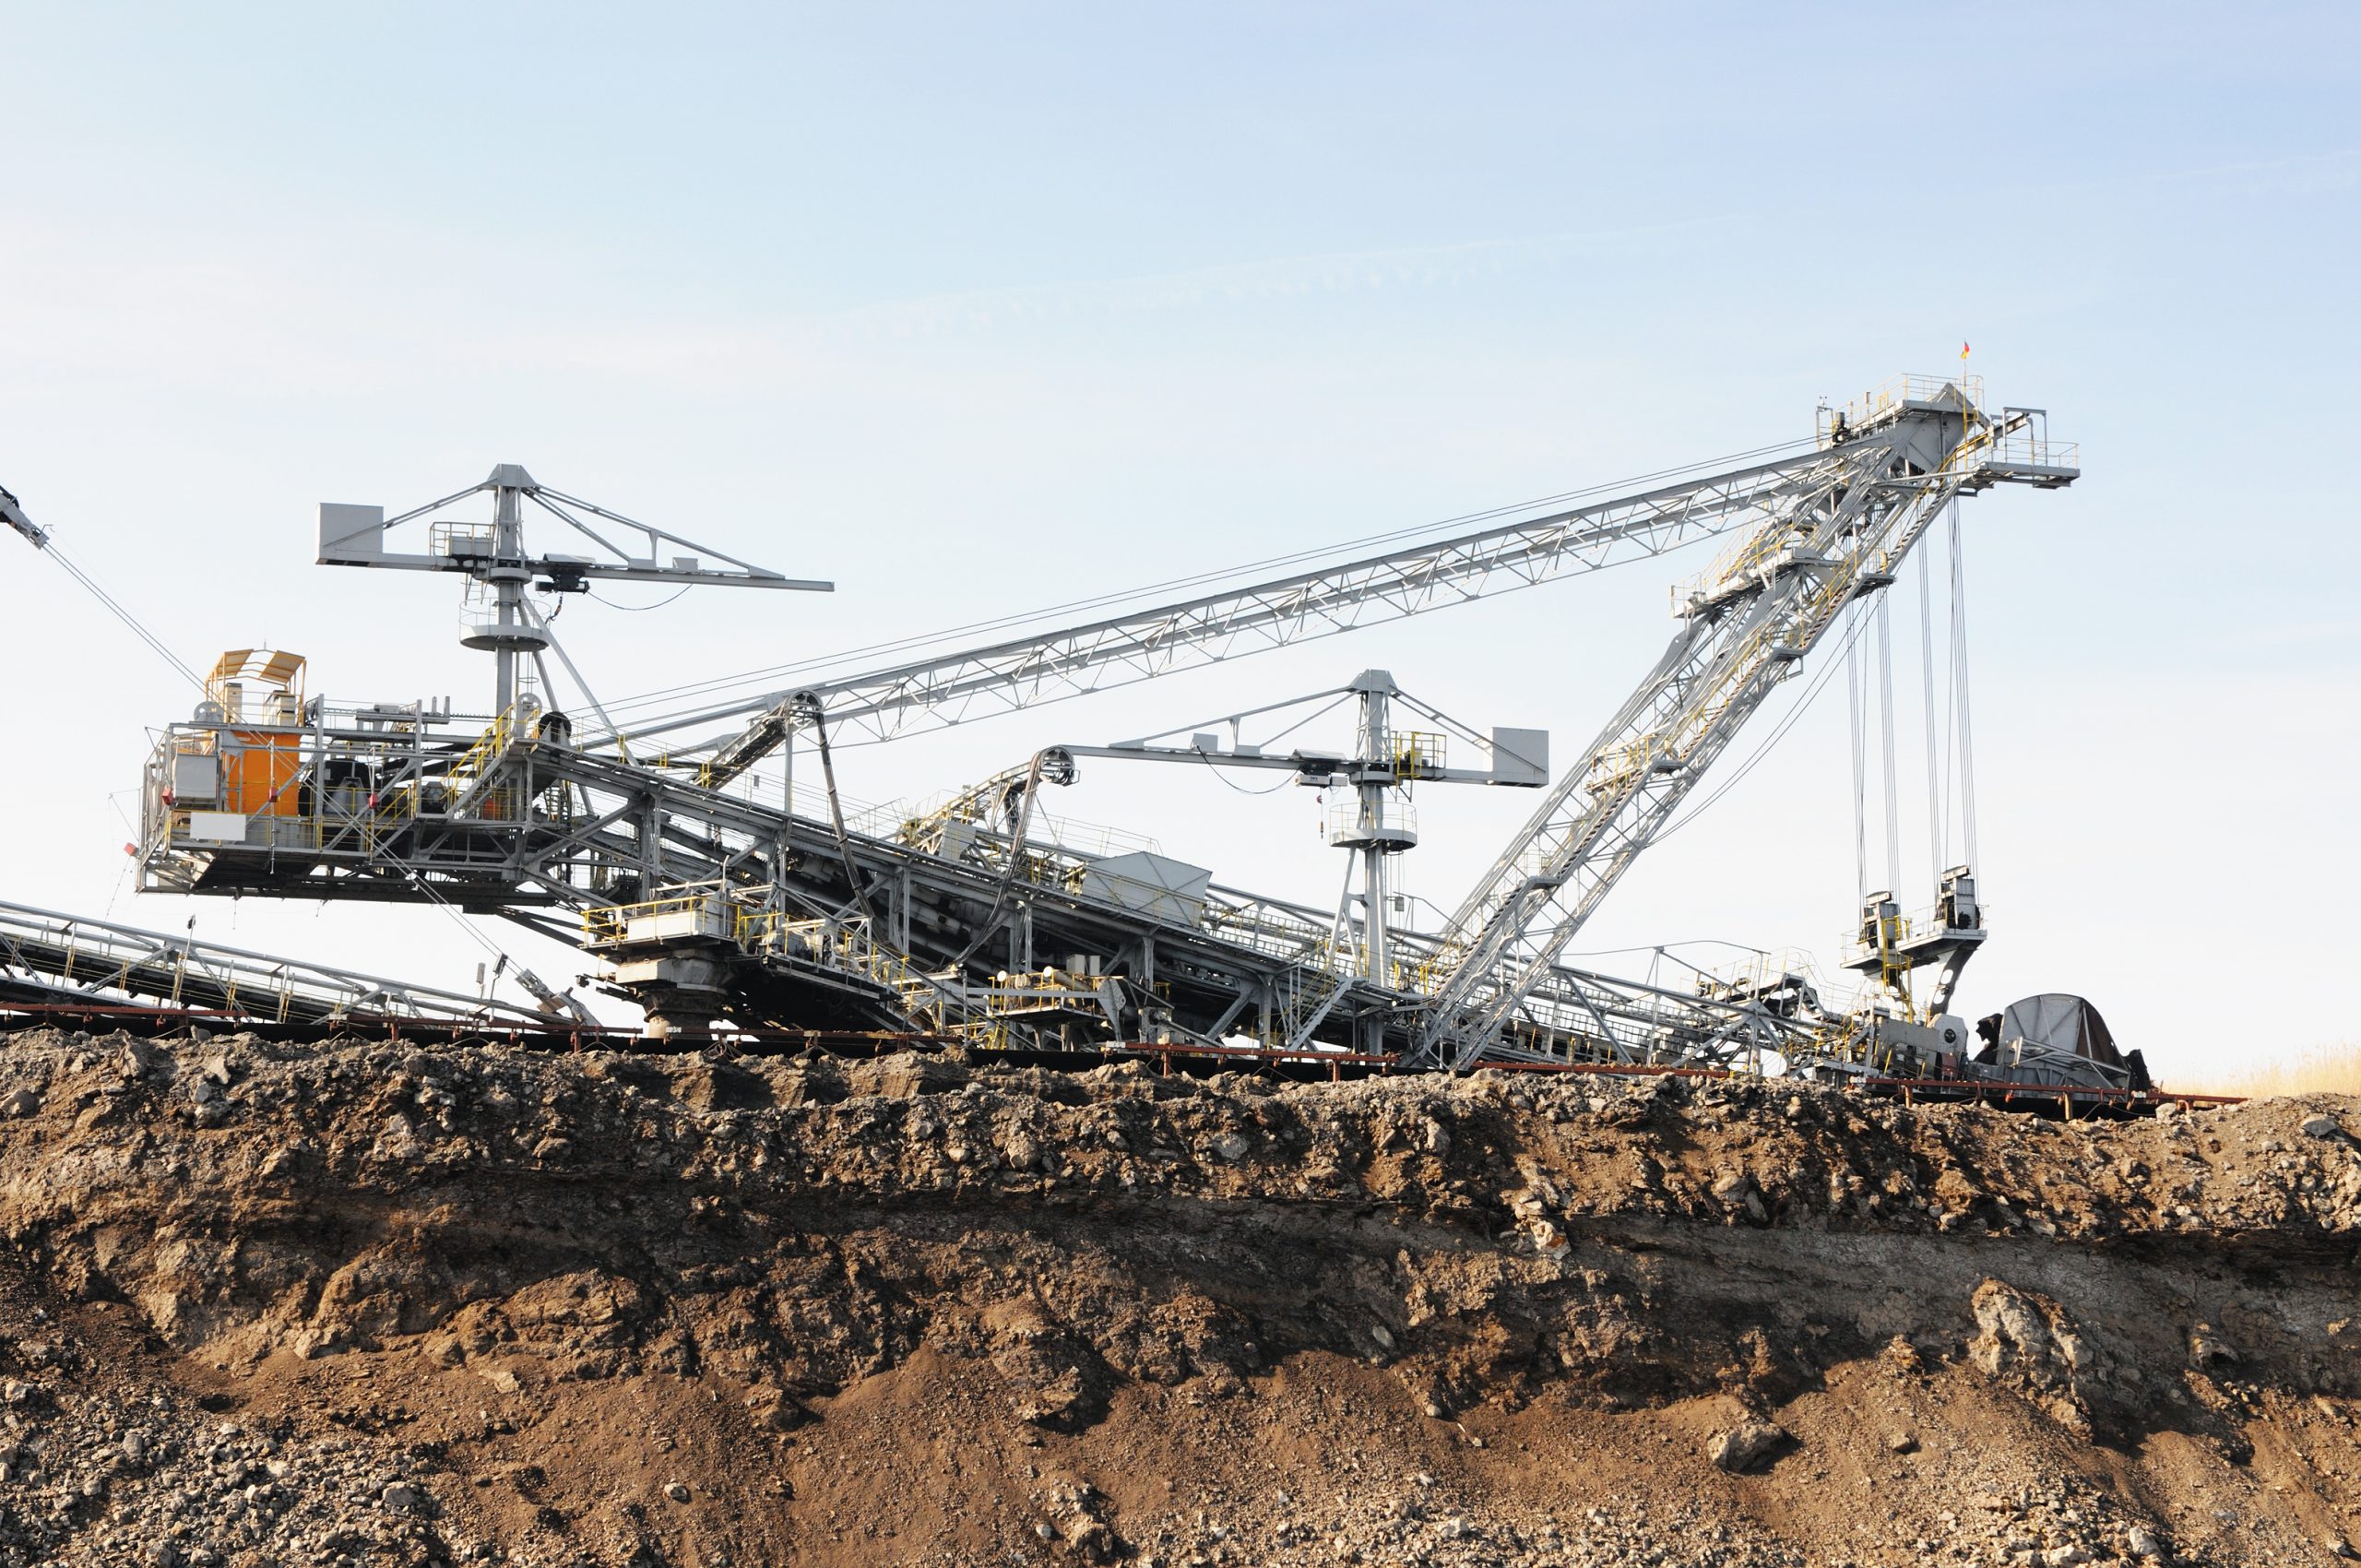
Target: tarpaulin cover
2062, 1023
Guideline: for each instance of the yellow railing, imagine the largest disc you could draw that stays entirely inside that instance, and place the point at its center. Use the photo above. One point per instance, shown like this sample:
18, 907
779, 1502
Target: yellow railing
1437, 965
764, 929
842, 944
1420, 748
1746, 558
613, 922
1617, 766
480, 758
1277, 937
473, 762
1904, 927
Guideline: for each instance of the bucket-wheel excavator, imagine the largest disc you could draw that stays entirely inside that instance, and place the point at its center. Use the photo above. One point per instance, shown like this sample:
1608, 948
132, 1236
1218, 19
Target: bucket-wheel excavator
717, 898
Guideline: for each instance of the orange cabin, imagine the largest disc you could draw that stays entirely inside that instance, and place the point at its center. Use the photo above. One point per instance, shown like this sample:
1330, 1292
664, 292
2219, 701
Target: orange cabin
262, 687
259, 772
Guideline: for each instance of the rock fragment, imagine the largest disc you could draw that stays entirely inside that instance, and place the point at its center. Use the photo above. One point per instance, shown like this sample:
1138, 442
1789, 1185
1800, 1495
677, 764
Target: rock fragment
1750, 1445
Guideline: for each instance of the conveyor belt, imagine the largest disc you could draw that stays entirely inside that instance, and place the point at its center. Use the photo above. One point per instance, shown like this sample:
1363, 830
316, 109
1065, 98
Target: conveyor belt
50, 958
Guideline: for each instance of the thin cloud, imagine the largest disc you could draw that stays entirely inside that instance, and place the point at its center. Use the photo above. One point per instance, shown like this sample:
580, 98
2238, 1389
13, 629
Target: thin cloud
1241, 283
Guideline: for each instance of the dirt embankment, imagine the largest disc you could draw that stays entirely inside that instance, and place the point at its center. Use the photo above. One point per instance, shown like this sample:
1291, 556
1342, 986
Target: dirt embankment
270, 1304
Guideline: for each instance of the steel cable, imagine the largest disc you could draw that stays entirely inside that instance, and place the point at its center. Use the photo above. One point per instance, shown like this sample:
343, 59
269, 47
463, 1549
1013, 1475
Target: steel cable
719, 684
120, 613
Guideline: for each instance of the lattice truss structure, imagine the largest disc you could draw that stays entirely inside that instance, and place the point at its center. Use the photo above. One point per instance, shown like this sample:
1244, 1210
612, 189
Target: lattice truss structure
961, 923
49, 958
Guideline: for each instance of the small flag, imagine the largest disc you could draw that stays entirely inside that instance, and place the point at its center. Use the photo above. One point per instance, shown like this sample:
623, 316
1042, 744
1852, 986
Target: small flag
1962, 348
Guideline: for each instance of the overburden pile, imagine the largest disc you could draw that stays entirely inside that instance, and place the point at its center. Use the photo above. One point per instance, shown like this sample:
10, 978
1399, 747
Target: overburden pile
354, 1302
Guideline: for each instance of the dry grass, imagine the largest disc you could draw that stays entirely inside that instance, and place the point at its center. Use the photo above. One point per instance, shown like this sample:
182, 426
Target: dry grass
2324, 1069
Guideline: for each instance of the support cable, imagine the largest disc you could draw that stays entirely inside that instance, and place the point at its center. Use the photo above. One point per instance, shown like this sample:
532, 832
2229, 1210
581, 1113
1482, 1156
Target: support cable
456, 914
1860, 766
1937, 845
1889, 768
1959, 680
1733, 777
533, 613
120, 613
634, 608
550, 1001
1397, 536
1282, 784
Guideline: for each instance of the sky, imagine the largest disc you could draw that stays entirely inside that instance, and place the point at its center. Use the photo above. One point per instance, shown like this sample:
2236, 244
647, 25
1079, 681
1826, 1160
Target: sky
977, 308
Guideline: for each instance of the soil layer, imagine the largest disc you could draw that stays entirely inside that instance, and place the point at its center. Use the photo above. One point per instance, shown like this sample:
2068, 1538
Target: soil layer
352, 1303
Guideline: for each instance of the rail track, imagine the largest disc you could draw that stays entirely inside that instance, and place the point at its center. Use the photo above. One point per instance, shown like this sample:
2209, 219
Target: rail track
2068, 1103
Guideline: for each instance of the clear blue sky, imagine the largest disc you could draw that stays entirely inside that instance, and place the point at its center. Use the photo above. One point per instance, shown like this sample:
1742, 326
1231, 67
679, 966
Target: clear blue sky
978, 307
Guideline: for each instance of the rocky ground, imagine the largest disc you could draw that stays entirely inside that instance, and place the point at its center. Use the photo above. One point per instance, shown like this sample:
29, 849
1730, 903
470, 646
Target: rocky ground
352, 1303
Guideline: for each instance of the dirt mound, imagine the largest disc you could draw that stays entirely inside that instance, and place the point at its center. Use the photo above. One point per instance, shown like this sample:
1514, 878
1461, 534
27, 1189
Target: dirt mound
352, 1303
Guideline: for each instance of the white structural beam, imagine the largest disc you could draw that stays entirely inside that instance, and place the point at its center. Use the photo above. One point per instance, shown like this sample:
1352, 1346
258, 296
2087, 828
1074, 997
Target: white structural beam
1143, 644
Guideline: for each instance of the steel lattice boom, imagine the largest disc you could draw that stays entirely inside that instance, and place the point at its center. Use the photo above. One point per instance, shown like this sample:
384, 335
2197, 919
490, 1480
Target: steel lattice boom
1763, 607
1024, 672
